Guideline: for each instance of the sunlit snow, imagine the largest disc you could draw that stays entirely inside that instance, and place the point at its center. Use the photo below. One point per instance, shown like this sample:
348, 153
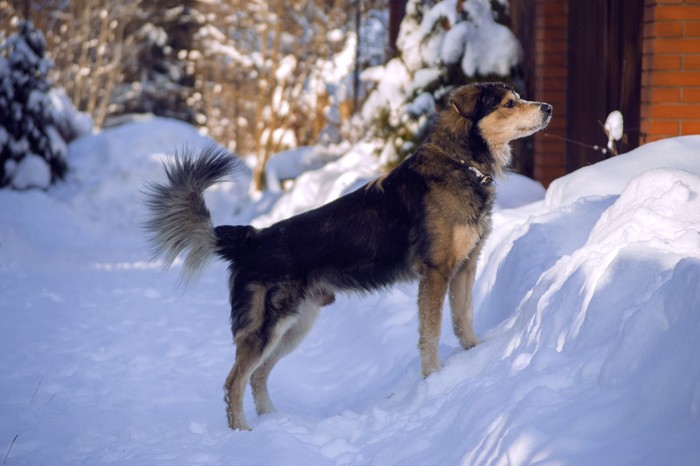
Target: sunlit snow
586, 304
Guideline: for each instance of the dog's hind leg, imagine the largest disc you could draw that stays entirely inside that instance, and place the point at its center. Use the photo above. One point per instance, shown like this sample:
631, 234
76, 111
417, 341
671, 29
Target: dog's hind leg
248, 356
252, 352
307, 313
431, 295
249, 323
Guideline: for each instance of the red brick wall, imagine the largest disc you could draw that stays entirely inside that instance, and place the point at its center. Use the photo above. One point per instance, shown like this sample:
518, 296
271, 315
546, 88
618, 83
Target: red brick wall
550, 56
670, 69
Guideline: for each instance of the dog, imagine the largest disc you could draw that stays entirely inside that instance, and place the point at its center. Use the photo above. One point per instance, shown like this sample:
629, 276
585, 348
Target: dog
427, 219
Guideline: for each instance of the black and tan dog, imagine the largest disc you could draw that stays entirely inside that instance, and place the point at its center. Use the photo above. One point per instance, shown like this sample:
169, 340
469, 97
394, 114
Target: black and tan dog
427, 220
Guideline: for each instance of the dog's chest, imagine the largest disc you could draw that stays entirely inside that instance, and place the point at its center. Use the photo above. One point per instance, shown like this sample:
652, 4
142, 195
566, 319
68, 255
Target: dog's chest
464, 237
455, 224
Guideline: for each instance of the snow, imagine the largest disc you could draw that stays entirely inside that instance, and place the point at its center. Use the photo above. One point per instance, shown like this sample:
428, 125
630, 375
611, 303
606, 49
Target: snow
286, 67
390, 93
614, 125
612, 175
482, 45
215, 42
31, 172
489, 47
336, 35
423, 103
586, 304
72, 123
614, 128
423, 78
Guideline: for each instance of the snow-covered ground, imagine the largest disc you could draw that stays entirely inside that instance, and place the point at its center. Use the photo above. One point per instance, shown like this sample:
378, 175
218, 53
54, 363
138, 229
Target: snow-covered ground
587, 304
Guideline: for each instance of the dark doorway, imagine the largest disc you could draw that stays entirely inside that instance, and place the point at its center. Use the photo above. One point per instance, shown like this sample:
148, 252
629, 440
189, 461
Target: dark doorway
604, 74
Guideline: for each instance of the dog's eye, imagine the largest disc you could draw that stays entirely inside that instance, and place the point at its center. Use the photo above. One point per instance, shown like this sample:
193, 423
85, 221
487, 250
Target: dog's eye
510, 104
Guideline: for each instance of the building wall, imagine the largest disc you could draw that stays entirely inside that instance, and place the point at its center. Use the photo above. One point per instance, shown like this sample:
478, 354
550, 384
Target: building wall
670, 69
550, 85
670, 81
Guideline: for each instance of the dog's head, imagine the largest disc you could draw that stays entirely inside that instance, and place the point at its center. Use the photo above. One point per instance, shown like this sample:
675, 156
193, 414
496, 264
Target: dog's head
497, 114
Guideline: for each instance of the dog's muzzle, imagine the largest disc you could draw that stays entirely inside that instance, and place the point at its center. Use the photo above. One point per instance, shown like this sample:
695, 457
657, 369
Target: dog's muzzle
546, 110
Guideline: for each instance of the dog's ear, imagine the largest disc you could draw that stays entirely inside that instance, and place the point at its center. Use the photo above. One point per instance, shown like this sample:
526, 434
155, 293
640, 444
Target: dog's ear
464, 101
457, 109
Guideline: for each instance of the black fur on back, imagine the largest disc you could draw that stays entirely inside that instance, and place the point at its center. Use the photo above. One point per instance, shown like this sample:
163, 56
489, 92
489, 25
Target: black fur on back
369, 238
361, 241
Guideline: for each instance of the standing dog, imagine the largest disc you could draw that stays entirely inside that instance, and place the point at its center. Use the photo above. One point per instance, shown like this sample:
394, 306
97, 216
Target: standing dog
426, 219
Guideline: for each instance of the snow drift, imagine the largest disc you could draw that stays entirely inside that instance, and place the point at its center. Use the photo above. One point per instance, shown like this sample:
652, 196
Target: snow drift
586, 303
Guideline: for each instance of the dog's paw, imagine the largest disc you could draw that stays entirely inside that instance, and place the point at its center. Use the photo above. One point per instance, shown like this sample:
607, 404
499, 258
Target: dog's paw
237, 421
426, 370
242, 426
265, 408
468, 343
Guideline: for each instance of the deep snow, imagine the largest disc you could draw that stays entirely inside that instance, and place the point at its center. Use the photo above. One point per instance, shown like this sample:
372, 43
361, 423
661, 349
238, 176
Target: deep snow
586, 302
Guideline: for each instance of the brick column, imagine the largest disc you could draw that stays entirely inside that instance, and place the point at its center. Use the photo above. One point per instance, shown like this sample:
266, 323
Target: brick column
670, 100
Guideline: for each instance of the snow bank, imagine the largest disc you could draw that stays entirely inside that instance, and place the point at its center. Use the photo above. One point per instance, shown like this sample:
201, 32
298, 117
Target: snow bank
586, 304
597, 300
612, 175
111, 168
317, 187
290, 164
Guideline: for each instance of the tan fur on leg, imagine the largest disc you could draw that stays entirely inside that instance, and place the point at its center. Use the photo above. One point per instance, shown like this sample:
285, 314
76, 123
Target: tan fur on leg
461, 287
431, 295
308, 312
461, 304
248, 356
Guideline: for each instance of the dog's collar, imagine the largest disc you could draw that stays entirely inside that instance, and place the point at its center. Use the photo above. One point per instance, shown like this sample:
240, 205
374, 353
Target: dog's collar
483, 179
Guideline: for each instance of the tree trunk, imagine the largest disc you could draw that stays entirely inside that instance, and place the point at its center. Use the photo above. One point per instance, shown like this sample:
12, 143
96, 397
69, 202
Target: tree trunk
259, 181
397, 10
358, 42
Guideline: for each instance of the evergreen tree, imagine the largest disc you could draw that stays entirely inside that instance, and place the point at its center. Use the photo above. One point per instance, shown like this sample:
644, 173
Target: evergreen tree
158, 73
36, 121
441, 45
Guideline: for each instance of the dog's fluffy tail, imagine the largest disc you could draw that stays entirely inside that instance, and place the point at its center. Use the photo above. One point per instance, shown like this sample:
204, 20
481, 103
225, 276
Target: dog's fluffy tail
178, 219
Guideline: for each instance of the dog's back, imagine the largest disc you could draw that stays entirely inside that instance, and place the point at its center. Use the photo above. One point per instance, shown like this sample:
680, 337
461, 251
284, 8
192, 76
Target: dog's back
361, 241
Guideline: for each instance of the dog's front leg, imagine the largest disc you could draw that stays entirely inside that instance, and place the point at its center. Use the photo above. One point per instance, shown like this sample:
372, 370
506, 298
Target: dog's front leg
461, 302
431, 295
461, 290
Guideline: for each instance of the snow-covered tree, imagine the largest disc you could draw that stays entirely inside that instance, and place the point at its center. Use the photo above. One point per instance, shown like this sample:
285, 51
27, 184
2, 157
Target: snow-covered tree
257, 76
36, 120
88, 43
120, 57
441, 45
158, 72
282, 71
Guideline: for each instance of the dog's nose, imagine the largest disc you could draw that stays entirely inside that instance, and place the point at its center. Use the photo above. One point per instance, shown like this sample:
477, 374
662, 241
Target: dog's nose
546, 108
